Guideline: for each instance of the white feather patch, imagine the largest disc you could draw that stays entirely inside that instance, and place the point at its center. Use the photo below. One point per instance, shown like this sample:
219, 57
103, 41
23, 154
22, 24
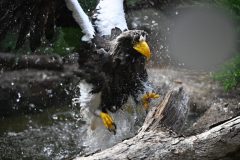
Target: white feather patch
81, 18
85, 95
110, 14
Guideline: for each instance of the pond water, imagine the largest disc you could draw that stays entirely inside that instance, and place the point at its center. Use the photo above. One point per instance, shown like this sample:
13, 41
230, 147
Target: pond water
62, 132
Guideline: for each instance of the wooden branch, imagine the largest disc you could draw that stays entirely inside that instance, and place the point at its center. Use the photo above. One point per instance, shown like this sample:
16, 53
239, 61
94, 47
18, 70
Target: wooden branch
155, 142
13, 62
212, 144
171, 112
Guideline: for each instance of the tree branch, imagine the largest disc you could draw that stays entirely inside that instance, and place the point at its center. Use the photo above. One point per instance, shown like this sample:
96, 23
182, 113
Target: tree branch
156, 142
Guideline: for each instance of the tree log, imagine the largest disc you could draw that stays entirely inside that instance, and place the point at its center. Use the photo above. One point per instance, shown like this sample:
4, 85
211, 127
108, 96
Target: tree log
13, 62
157, 141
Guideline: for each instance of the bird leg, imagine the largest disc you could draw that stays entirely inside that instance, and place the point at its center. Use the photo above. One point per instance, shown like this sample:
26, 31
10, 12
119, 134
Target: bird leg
146, 99
108, 121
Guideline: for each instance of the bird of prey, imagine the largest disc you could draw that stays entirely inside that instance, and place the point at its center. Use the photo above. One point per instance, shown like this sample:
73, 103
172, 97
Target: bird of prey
118, 74
114, 62
112, 59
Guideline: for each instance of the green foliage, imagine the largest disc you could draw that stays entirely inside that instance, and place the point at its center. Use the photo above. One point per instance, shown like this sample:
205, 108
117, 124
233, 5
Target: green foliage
229, 76
72, 36
65, 41
88, 5
59, 45
232, 5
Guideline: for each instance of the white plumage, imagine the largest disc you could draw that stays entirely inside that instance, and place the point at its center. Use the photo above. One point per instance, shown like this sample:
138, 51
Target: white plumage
85, 95
110, 14
82, 19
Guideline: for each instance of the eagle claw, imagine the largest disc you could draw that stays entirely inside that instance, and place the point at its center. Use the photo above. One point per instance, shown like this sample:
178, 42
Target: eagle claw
108, 122
148, 97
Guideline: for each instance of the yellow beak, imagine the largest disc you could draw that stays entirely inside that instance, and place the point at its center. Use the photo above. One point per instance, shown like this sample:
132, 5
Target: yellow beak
143, 48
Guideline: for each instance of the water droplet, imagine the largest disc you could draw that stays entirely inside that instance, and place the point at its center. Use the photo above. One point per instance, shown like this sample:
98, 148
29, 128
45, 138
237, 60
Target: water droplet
54, 117
31, 105
67, 92
19, 94
44, 76
49, 91
12, 134
37, 61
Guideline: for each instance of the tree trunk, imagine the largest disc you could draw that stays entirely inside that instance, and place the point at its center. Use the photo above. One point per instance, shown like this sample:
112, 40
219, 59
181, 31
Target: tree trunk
157, 138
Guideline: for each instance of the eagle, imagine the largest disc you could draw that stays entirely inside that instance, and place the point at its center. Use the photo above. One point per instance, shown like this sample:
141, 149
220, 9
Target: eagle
113, 58
118, 74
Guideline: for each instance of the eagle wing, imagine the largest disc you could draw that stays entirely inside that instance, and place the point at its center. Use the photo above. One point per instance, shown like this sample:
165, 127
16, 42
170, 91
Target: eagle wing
31, 18
38, 18
108, 15
82, 19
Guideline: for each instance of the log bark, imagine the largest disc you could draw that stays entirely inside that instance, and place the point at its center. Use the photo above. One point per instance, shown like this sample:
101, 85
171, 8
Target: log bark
157, 138
14, 62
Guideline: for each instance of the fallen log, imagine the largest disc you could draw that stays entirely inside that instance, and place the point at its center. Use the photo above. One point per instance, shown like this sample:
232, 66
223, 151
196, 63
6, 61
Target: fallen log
157, 138
13, 62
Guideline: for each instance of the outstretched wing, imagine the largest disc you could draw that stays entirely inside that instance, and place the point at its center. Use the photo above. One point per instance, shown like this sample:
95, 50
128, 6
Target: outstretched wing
109, 15
81, 18
37, 18
34, 17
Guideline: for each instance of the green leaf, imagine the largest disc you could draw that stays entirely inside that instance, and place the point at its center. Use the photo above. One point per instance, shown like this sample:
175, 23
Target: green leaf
229, 76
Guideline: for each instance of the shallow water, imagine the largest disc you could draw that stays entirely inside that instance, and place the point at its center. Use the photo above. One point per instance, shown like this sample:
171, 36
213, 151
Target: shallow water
50, 134
62, 132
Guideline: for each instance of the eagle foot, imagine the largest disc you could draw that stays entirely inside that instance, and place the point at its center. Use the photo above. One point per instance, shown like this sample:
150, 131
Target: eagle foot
146, 99
108, 122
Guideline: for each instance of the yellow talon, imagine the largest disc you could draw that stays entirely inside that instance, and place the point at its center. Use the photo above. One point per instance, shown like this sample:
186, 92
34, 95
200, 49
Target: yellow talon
147, 98
108, 122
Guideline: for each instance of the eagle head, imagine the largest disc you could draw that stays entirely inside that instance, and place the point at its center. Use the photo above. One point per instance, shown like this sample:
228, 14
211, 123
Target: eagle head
132, 42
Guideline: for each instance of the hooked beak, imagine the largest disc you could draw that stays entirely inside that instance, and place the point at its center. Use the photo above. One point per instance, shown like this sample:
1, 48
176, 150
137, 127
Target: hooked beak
143, 48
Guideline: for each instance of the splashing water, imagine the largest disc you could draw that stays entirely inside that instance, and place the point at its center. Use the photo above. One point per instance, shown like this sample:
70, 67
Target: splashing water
60, 132
96, 137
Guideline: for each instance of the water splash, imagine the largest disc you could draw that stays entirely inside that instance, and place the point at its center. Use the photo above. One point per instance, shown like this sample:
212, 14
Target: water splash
96, 137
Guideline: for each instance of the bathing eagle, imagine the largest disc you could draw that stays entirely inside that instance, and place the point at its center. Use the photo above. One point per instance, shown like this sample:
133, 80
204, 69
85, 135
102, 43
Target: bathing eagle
112, 58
